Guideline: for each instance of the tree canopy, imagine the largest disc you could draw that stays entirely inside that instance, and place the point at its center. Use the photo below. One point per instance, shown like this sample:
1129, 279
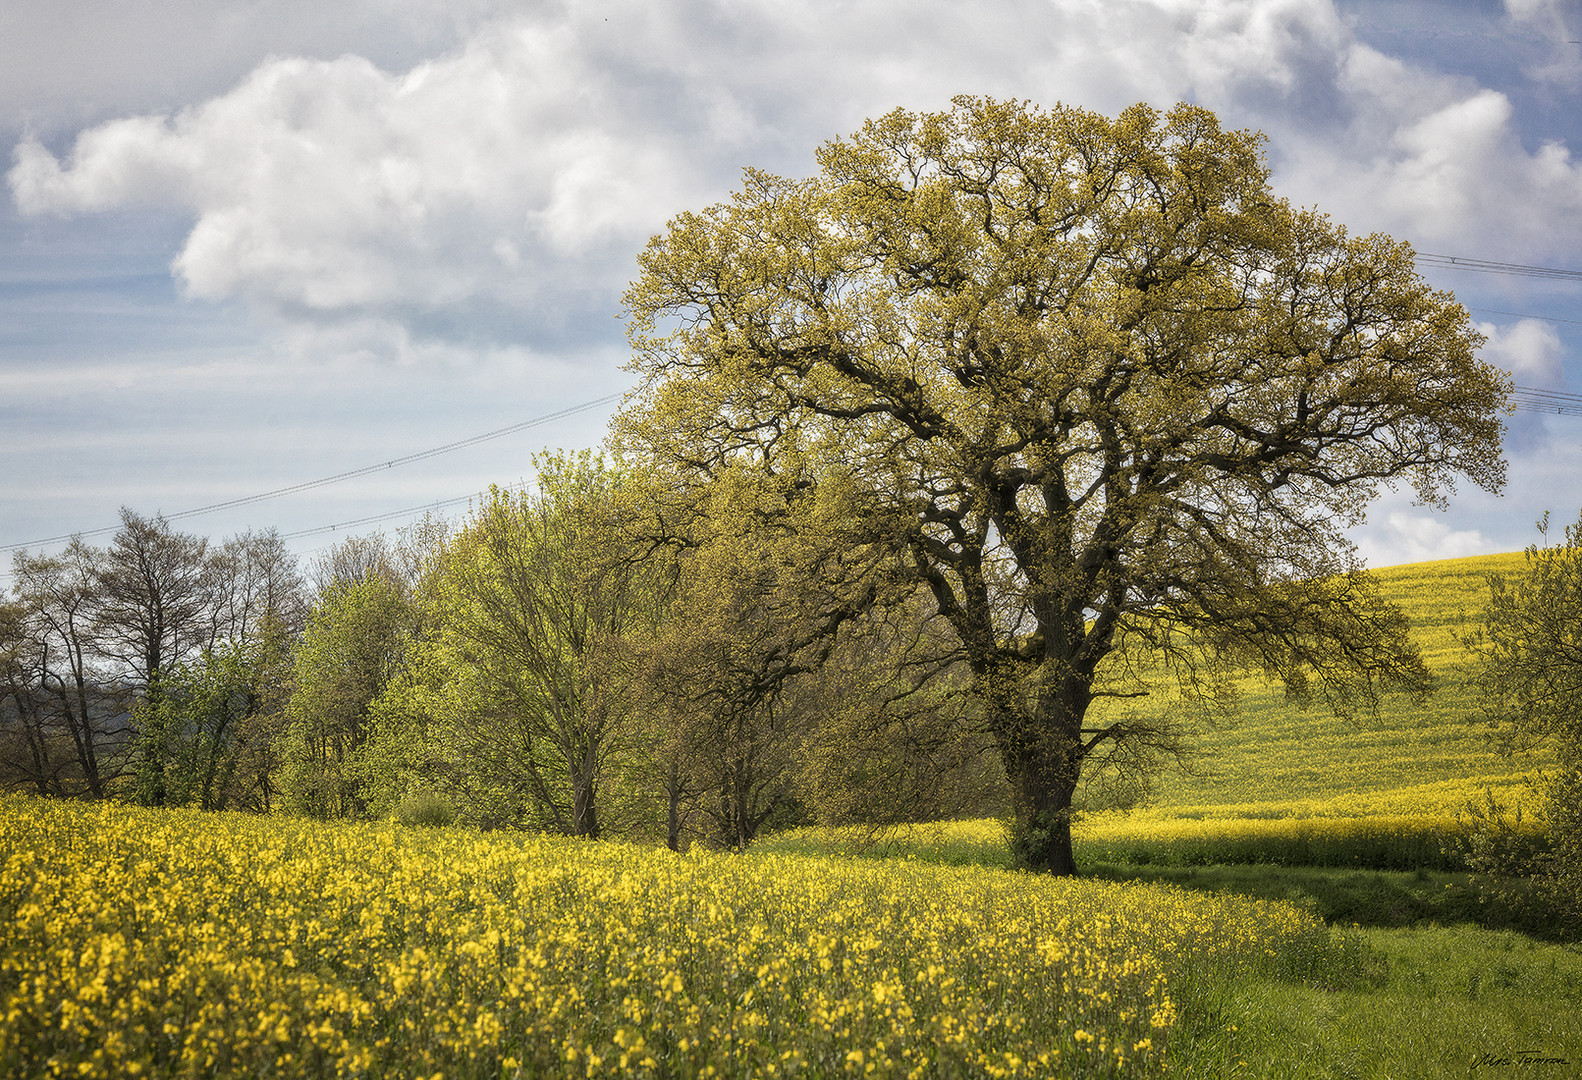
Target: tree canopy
1530, 647
1091, 388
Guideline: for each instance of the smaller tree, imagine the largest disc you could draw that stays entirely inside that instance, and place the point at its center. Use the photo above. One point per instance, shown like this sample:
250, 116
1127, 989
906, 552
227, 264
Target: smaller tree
29, 752
355, 642
516, 703
207, 726
213, 727
73, 707
786, 688
154, 606
155, 598
1530, 644
732, 735
896, 738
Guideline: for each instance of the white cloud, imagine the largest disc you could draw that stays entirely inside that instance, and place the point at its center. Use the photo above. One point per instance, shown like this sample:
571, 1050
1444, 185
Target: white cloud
493, 178
1529, 349
498, 193
1532, 10
1553, 27
1436, 159
1547, 16
1533, 353
1406, 537
1232, 43
80, 62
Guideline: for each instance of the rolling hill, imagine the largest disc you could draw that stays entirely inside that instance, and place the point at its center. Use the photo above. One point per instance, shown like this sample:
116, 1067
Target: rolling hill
1415, 757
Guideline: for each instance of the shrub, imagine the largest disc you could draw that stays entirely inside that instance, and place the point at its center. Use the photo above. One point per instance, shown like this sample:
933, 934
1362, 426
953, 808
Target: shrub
1527, 866
425, 808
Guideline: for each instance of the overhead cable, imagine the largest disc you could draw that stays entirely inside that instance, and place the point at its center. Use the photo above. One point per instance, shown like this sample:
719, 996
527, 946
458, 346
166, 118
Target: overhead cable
1523, 315
350, 474
1489, 266
1554, 402
371, 518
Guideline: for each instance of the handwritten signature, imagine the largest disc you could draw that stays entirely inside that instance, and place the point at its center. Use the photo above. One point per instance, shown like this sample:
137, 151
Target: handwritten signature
1522, 1057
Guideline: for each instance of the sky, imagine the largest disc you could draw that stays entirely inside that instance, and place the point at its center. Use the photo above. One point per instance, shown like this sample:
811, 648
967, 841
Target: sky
249, 245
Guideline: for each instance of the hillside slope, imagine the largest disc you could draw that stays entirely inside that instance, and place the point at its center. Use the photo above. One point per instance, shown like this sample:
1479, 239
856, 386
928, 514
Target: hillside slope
1414, 757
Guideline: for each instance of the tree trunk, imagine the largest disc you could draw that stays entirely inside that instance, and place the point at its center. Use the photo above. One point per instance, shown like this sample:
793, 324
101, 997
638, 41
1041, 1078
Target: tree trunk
154, 745
44, 774
584, 814
79, 724
673, 815
1043, 761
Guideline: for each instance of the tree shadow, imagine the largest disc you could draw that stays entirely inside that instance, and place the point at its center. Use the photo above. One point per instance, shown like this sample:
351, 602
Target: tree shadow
1388, 899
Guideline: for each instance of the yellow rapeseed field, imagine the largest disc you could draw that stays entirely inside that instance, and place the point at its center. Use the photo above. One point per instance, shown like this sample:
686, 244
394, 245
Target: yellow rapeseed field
1290, 834
149, 943
1415, 757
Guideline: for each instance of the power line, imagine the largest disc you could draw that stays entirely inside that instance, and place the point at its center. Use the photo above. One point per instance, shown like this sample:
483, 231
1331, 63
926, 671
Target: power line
350, 474
370, 519
1524, 315
1489, 266
1554, 402
1564, 395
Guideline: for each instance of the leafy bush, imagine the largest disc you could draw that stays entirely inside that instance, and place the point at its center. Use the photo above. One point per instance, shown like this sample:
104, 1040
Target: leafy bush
422, 808
1523, 863
1565, 820
1496, 841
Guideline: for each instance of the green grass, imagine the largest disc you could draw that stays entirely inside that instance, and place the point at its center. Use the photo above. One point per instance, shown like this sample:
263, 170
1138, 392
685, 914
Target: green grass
1440, 1002
1377, 899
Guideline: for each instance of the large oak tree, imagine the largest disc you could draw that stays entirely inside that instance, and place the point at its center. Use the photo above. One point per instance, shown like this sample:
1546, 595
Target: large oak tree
1094, 387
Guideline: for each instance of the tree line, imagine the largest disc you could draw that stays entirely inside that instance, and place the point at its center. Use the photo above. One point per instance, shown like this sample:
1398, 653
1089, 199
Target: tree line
564, 659
101, 647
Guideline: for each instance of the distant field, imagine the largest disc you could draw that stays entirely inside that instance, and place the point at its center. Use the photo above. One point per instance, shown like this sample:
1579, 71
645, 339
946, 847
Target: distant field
1284, 785
1415, 758
1300, 787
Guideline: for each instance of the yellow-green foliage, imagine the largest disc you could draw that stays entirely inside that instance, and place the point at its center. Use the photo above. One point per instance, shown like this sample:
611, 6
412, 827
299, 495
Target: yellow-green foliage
947, 843
1435, 749
168, 943
1290, 786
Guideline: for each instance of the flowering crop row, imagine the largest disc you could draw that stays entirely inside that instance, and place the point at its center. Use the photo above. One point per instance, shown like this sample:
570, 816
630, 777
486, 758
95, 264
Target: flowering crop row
1275, 751
1263, 833
1396, 842
178, 944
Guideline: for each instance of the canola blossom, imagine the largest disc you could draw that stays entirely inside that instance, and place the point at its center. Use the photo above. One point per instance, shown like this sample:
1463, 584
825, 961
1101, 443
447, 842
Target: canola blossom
166, 943
1382, 842
1406, 829
1418, 756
